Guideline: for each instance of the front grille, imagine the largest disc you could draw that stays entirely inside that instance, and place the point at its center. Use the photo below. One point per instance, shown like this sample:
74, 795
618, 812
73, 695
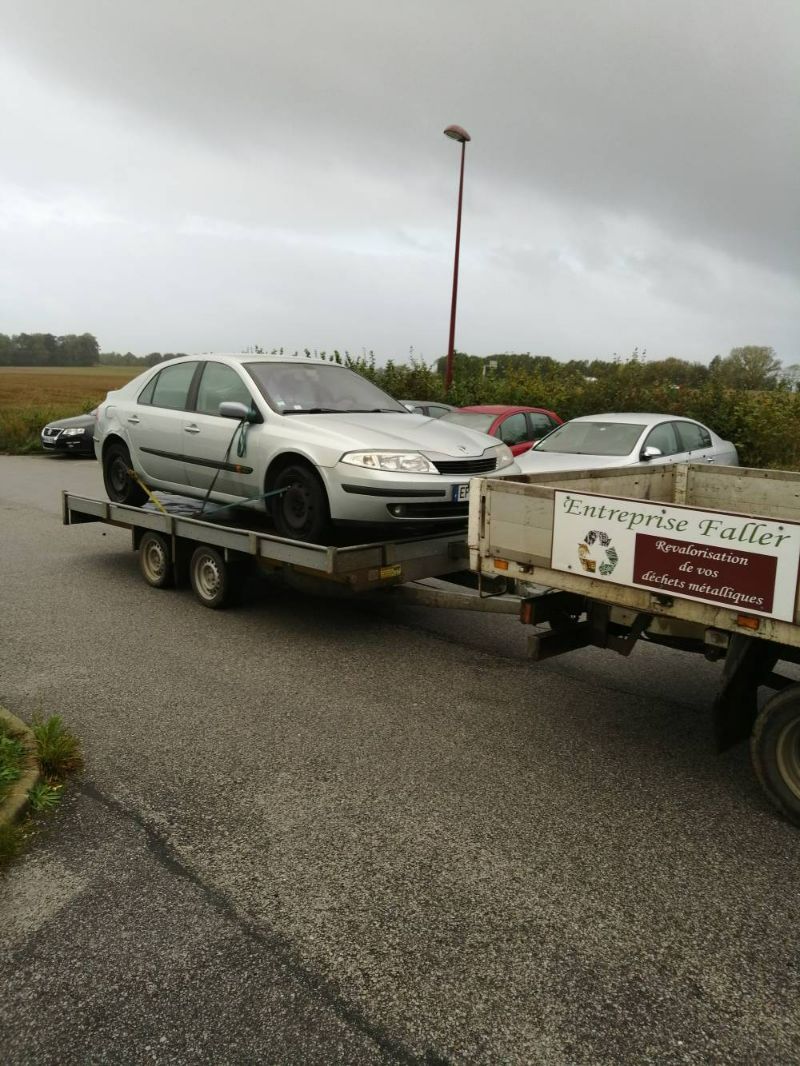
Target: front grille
52, 433
466, 466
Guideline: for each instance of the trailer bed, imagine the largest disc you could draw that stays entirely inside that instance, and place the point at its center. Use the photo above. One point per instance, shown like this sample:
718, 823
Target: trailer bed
359, 567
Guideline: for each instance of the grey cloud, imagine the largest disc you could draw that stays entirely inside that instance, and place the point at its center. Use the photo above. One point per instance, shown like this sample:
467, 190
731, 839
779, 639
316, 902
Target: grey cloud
633, 163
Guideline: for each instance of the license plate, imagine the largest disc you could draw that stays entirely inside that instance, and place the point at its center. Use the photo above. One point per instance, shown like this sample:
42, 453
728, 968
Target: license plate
460, 493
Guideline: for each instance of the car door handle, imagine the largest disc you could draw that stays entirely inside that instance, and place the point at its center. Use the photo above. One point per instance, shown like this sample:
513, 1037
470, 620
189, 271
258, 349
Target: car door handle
192, 428
710, 459
134, 420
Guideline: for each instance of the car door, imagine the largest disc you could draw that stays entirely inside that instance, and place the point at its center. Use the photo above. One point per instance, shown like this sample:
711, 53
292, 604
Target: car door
664, 437
211, 451
696, 442
154, 424
513, 431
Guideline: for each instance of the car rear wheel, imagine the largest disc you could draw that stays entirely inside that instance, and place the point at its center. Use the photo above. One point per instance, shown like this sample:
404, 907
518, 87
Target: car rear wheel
120, 486
301, 511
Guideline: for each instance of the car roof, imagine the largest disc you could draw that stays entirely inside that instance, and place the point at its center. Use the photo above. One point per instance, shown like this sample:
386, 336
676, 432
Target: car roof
251, 357
633, 417
500, 409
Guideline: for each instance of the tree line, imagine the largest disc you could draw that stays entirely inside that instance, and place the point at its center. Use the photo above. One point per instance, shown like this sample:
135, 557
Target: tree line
752, 367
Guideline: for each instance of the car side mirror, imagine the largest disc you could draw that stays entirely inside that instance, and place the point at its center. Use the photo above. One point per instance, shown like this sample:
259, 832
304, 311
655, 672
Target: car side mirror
240, 411
650, 452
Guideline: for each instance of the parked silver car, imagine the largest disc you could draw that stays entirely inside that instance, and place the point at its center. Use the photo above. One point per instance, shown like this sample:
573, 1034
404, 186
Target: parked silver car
328, 444
626, 439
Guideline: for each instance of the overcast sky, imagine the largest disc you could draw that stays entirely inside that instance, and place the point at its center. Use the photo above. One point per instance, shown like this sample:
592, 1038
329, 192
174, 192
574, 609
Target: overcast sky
178, 175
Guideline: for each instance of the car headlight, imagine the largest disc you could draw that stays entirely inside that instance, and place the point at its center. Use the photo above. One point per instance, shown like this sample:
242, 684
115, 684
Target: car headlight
394, 462
75, 432
504, 455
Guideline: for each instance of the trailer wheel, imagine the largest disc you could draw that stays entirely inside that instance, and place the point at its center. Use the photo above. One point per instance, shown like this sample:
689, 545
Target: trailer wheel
211, 577
155, 560
120, 486
775, 751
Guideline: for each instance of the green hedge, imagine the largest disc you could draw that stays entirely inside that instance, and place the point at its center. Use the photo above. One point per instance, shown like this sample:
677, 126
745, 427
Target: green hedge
764, 426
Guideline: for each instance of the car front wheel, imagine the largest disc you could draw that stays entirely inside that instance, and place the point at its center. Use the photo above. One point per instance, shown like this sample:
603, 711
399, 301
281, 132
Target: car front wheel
120, 486
301, 512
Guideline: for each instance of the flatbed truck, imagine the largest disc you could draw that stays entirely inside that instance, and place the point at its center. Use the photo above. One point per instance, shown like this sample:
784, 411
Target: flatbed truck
698, 557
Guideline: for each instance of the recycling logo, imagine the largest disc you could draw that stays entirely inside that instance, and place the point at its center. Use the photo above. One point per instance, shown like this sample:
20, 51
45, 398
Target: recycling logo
592, 557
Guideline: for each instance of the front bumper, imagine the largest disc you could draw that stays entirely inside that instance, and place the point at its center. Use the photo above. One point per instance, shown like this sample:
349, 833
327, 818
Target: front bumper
82, 445
379, 496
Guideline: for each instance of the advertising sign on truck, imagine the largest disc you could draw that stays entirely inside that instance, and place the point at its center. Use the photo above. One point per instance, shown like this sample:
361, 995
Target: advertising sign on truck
716, 557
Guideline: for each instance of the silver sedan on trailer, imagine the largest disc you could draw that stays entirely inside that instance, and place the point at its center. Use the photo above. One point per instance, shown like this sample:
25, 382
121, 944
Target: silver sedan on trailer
311, 441
626, 439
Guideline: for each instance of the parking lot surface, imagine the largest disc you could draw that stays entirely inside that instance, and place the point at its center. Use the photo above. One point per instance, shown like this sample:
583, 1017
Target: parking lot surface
313, 831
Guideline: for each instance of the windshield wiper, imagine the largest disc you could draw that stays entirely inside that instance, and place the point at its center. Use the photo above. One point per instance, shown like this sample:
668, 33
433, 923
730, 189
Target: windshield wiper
315, 411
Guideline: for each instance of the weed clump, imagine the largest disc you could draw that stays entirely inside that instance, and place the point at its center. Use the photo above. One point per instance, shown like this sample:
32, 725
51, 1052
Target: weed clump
57, 755
57, 749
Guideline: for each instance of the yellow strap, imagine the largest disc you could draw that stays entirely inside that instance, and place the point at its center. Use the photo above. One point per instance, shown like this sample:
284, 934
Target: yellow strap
132, 473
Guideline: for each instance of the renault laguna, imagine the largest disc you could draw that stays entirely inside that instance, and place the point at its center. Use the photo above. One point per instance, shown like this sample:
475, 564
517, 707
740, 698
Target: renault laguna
311, 442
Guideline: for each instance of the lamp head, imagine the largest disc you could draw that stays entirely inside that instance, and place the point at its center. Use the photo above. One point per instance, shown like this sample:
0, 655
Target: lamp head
457, 133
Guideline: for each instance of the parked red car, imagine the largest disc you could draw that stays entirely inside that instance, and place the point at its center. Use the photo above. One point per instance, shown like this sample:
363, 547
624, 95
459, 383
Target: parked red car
518, 427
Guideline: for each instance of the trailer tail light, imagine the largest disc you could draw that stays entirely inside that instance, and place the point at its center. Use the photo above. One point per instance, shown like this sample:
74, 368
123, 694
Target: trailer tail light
500, 564
526, 613
746, 621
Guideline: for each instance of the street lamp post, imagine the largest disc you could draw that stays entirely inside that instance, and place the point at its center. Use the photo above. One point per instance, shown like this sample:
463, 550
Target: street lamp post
457, 134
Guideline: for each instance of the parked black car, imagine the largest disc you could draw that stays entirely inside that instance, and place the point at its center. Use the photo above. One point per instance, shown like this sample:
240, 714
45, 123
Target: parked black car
70, 436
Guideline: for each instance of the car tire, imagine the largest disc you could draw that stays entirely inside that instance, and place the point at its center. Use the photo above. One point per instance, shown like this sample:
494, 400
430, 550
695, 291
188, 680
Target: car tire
301, 512
775, 751
155, 560
120, 486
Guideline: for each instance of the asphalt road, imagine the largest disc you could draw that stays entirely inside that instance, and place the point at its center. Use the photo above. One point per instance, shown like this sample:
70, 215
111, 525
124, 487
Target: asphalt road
323, 832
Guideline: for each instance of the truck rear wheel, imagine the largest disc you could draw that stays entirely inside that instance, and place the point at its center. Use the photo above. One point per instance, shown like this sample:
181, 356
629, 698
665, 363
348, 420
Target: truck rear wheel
155, 560
211, 577
775, 751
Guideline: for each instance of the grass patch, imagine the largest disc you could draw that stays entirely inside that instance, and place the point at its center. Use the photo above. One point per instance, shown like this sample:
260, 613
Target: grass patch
57, 750
14, 759
30, 397
57, 754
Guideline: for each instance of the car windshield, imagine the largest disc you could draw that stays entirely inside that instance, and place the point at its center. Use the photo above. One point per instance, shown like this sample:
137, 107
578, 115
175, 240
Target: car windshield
592, 438
300, 387
472, 419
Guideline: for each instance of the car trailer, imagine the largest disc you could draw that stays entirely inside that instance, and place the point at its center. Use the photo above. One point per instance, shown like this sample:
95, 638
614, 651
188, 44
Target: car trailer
178, 543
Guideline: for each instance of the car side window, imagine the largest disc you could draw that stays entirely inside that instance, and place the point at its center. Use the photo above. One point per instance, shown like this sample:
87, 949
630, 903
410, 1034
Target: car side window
663, 437
171, 387
146, 395
540, 424
514, 430
693, 437
220, 384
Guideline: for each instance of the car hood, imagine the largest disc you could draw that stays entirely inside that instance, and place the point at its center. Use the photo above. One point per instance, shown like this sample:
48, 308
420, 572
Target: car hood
533, 462
393, 431
69, 423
